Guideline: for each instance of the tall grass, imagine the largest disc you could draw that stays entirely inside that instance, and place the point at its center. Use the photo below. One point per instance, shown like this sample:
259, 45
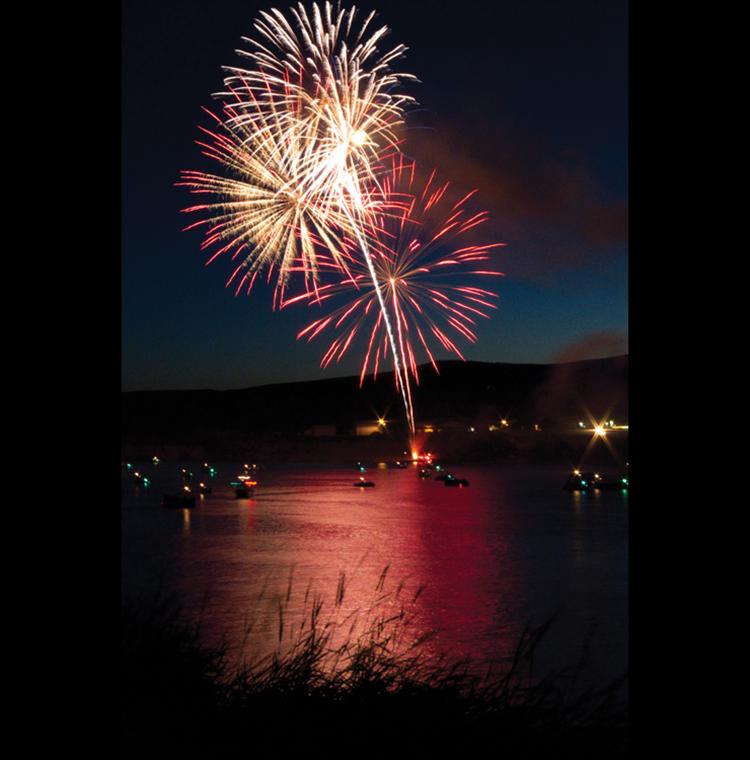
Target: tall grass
350, 683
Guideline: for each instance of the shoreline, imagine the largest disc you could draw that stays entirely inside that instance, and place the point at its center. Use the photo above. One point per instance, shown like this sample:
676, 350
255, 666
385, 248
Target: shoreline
517, 447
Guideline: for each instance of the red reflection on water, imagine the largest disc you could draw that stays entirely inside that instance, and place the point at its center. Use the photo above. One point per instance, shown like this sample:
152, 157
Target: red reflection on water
488, 556
469, 567
437, 553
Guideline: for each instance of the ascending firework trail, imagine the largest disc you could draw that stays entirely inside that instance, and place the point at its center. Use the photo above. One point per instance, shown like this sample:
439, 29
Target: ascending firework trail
301, 139
433, 274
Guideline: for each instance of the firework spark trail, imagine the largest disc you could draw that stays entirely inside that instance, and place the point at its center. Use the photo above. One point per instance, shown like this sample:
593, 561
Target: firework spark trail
420, 249
304, 135
352, 111
402, 380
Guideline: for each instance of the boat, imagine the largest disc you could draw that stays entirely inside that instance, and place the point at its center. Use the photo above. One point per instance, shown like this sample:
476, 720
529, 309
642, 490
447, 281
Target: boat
423, 472
452, 480
617, 484
183, 500
362, 483
244, 486
400, 465
141, 480
591, 481
580, 481
426, 460
204, 489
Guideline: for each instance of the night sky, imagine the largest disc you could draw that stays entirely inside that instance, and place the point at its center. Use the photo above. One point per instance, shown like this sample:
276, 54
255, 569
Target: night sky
524, 99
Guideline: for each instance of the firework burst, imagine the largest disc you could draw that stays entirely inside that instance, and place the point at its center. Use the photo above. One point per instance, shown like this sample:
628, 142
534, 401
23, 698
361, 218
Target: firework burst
327, 74
303, 138
433, 275
261, 212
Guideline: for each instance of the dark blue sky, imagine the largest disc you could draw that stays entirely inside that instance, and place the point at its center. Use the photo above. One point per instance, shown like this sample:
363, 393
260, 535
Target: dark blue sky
526, 100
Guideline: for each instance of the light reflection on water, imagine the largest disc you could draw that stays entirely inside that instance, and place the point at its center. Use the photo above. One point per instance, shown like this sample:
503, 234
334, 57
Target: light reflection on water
512, 547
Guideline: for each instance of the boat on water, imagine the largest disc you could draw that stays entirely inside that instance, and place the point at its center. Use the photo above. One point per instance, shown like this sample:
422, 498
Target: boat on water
400, 465
205, 489
453, 481
593, 481
580, 481
423, 472
141, 480
362, 483
426, 460
244, 487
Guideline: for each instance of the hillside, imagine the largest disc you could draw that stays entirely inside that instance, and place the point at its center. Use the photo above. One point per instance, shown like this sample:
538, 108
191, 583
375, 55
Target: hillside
551, 394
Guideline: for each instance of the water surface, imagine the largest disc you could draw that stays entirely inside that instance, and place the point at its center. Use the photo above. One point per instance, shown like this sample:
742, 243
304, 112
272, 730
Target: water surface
511, 548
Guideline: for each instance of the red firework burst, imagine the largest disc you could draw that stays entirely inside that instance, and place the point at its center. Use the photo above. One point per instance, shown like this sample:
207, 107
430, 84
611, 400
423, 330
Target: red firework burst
429, 269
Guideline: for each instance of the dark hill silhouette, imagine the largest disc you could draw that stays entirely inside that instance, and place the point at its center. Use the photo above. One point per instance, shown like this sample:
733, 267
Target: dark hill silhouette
547, 393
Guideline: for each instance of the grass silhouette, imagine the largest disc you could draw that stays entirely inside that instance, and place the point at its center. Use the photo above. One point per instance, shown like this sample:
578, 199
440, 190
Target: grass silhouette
356, 683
